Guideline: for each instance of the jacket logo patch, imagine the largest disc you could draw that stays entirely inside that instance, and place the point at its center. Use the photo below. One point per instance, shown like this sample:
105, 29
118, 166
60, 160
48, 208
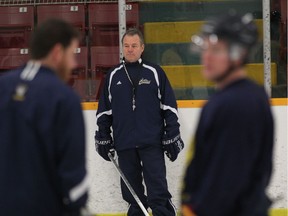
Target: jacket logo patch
144, 81
119, 83
20, 92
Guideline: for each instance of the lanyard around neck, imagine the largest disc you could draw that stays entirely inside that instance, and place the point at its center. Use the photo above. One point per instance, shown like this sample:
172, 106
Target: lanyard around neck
133, 90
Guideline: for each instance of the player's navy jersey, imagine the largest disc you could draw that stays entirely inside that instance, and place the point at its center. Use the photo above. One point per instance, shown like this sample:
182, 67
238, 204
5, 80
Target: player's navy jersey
233, 156
154, 111
42, 144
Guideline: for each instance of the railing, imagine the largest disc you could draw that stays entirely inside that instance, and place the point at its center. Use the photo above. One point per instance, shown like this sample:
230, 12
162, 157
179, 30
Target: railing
50, 2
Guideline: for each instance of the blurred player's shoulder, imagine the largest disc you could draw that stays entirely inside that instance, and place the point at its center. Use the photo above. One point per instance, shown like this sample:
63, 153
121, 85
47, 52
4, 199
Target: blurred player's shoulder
9, 79
238, 95
10, 75
46, 85
49, 86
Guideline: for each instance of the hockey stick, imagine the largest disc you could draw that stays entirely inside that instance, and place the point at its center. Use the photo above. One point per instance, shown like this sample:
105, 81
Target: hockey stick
128, 185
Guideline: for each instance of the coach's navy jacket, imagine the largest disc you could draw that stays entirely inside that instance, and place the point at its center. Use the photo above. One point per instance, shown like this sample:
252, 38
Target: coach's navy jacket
155, 112
42, 151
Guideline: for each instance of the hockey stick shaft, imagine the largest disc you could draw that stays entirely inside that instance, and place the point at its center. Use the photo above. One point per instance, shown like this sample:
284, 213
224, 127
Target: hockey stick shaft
128, 185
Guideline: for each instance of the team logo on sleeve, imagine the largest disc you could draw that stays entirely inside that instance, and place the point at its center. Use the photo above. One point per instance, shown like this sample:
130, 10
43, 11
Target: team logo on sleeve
144, 82
20, 92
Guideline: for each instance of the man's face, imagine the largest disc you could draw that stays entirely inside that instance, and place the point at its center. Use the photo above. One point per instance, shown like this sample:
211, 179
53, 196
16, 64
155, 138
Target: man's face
132, 48
215, 59
68, 61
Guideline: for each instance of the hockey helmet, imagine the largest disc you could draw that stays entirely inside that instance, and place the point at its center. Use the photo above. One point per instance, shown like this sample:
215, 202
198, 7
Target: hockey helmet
240, 32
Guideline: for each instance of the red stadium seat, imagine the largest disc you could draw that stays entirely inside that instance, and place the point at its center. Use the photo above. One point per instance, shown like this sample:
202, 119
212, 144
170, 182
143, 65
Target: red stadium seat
13, 58
16, 24
79, 78
103, 22
74, 14
102, 59
104, 56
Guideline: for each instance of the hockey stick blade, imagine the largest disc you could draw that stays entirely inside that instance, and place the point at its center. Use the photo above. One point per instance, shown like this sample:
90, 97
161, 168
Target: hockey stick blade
128, 185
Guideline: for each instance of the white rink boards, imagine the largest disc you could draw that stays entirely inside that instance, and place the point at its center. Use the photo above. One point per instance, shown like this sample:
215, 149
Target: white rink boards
105, 195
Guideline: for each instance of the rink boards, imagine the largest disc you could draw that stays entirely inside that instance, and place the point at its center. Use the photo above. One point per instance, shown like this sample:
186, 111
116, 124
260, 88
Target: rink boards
105, 196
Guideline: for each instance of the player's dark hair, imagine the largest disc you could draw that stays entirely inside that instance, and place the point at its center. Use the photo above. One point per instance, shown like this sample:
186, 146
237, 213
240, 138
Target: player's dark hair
50, 33
132, 32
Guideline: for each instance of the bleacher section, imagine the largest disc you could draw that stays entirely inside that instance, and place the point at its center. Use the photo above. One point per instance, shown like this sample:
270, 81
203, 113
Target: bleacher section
79, 79
74, 14
178, 32
167, 26
178, 11
11, 58
97, 24
188, 82
104, 39
102, 59
16, 25
189, 76
103, 22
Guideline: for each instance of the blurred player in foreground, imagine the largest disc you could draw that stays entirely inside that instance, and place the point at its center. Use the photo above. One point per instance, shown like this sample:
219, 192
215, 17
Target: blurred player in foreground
42, 142
232, 164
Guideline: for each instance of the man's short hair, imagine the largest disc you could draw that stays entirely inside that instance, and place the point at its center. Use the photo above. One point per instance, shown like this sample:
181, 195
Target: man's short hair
132, 32
50, 33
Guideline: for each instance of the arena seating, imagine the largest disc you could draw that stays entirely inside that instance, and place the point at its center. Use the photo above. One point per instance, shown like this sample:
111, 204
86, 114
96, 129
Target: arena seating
167, 26
188, 82
104, 38
103, 22
178, 32
177, 11
16, 25
11, 58
79, 77
102, 59
188, 76
74, 14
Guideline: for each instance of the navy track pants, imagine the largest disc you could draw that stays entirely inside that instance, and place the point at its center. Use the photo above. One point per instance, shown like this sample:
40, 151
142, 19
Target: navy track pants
147, 162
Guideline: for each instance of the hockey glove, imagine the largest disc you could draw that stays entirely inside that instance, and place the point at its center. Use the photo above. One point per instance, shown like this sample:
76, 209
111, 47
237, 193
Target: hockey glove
103, 146
172, 146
